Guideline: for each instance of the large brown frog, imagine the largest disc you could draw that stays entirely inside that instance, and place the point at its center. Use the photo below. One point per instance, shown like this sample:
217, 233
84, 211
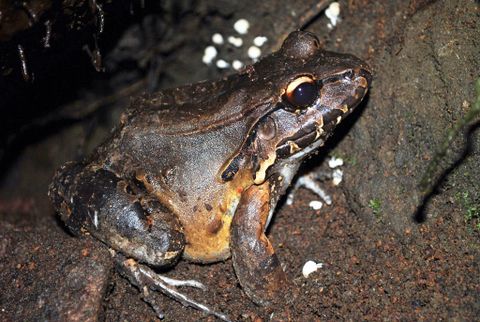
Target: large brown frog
196, 171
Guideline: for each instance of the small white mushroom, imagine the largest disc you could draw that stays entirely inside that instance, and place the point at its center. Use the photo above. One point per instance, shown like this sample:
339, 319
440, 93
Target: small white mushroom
209, 54
315, 204
333, 13
335, 162
337, 176
217, 39
309, 267
236, 64
241, 26
254, 52
259, 41
222, 64
236, 41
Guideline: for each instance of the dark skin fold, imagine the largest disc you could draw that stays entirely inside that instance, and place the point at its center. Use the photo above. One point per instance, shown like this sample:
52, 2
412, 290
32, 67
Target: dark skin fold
195, 172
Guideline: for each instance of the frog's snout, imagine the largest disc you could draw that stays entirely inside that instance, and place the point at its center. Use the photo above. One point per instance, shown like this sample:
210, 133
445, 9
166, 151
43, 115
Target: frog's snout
342, 92
360, 79
364, 76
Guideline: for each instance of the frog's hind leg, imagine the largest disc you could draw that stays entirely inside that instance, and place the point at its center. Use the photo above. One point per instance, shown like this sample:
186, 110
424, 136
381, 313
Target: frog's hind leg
117, 212
93, 199
145, 278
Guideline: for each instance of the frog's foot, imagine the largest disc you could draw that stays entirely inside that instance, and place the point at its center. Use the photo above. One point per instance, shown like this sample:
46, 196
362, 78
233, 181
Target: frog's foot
311, 181
145, 278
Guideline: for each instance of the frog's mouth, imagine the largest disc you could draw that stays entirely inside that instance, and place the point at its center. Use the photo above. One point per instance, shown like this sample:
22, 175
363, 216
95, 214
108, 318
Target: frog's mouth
333, 111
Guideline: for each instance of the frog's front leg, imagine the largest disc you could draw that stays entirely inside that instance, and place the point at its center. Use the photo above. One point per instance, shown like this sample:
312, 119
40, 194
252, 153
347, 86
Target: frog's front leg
93, 199
256, 265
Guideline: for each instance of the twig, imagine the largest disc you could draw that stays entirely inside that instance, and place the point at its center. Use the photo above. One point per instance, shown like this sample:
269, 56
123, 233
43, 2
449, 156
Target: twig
304, 20
427, 183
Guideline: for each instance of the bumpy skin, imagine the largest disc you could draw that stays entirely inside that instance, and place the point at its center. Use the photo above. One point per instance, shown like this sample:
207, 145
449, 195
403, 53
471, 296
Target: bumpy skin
197, 170
95, 199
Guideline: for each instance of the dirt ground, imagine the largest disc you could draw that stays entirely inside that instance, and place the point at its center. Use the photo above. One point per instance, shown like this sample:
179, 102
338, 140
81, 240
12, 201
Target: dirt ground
382, 258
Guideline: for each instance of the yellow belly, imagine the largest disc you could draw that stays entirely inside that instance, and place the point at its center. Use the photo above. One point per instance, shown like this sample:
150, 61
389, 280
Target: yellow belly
208, 241
207, 231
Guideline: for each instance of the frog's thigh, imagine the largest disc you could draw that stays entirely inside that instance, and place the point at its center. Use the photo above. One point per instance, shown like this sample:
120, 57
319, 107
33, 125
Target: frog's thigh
102, 203
256, 265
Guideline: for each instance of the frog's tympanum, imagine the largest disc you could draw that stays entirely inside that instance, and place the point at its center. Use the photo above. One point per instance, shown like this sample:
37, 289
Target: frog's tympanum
195, 172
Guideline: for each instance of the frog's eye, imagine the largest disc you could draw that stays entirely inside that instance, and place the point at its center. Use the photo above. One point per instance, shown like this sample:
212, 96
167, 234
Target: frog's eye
302, 92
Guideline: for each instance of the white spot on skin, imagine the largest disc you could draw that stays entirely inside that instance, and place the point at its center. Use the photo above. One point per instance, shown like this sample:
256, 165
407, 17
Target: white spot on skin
209, 54
335, 162
339, 119
315, 204
235, 41
337, 177
259, 41
241, 26
222, 64
333, 13
309, 267
254, 52
217, 39
236, 64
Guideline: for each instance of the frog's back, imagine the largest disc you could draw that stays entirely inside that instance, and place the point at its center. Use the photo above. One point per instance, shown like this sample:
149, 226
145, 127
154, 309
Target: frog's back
203, 106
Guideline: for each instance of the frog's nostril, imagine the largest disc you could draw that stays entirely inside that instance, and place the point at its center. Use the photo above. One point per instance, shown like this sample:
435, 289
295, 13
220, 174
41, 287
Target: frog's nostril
366, 74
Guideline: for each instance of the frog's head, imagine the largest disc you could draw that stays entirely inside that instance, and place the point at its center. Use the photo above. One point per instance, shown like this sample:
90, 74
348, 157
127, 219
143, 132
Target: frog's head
319, 88
314, 89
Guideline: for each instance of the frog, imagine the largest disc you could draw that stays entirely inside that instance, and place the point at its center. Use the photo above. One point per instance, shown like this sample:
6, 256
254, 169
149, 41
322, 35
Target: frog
195, 172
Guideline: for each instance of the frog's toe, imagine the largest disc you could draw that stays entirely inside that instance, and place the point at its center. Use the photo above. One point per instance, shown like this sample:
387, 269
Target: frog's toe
145, 278
310, 181
176, 283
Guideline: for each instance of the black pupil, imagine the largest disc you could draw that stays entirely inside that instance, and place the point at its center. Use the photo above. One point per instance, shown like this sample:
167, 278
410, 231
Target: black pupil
304, 94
